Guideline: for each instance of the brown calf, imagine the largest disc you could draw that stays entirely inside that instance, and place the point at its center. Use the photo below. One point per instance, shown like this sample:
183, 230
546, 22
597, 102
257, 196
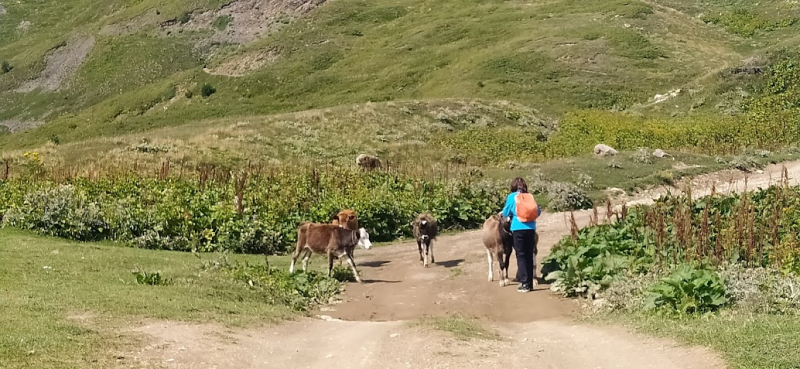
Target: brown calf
347, 218
425, 232
329, 239
499, 242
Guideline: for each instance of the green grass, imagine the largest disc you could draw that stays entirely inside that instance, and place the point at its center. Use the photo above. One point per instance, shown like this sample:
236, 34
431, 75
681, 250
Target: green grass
462, 328
556, 55
46, 282
623, 171
745, 342
499, 137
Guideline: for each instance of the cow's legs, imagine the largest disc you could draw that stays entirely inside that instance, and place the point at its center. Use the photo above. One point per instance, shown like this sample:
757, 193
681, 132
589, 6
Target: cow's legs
295, 255
491, 265
419, 246
426, 246
506, 261
535, 278
330, 264
353, 267
306, 256
430, 247
501, 259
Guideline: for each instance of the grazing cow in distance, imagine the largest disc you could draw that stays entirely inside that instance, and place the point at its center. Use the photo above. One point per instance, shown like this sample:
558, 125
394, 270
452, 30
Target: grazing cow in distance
368, 162
329, 239
499, 243
425, 232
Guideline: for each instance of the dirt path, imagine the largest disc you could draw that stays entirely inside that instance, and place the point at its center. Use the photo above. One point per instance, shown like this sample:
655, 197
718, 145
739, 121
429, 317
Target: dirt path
369, 330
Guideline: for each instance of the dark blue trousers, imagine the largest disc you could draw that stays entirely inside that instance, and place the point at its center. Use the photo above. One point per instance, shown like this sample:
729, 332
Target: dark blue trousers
525, 250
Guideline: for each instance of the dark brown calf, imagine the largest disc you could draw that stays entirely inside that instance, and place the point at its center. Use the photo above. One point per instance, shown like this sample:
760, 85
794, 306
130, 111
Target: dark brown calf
425, 231
499, 243
329, 239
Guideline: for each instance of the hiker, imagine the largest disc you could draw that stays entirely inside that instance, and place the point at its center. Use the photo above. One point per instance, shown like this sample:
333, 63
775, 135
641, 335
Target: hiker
523, 210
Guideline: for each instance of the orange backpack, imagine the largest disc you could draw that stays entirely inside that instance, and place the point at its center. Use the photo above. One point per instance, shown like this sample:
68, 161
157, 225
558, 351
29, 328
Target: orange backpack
527, 209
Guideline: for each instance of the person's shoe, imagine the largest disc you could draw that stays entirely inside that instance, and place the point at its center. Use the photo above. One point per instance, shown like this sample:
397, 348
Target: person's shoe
524, 288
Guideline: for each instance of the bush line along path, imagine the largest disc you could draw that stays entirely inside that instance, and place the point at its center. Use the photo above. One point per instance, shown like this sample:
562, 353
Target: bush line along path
369, 328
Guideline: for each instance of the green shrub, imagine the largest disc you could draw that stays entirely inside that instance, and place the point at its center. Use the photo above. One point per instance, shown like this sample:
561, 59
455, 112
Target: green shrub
746, 23
688, 290
588, 265
585, 181
567, 196
185, 215
301, 291
207, 90
5, 67
632, 44
184, 18
59, 211
222, 22
666, 177
151, 279
249, 235
642, 156
762, 290
745, 163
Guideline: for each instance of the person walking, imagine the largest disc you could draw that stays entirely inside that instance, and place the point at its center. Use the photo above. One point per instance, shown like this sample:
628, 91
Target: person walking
523, 210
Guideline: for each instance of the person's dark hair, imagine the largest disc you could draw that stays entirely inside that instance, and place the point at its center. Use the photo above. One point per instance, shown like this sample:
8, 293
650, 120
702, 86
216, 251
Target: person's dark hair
519, 185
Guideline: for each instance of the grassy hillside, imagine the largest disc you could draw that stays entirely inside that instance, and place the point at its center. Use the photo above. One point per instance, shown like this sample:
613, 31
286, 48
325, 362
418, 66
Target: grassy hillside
143, 60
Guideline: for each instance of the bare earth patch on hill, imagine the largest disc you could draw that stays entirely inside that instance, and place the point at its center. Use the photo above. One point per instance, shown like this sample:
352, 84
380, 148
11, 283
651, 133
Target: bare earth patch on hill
61, 63
132, 26
15, 125
239, 65
246, 21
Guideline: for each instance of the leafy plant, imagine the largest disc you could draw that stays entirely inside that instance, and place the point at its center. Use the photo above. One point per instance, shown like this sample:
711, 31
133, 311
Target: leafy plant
151, 279
587, 265
567, 196
688, 290
343, 274
666, 177
642, 156
762, 290
184, 18
585, 181
5, 67
746, 23
300, 291
207, 90
222, 22
257, 215
745, 163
